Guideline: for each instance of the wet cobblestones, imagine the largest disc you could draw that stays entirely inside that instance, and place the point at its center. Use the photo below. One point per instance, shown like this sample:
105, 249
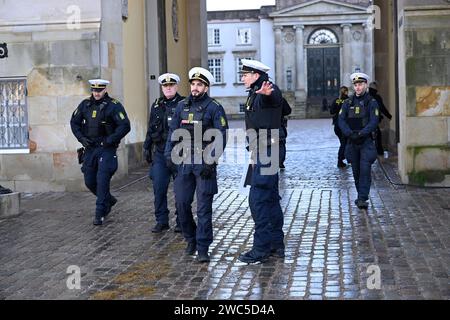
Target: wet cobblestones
330, 244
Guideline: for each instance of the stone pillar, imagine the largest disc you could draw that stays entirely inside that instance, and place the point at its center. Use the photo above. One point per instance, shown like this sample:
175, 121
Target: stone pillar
368, 51
300, 87
279, 57
346, 54
9, 204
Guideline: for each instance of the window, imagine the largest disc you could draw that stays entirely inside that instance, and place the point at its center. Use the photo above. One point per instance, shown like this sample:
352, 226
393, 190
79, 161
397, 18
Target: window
13, 116
215, 67
239, 67
323, 36
244, 36
213, 37
241, 107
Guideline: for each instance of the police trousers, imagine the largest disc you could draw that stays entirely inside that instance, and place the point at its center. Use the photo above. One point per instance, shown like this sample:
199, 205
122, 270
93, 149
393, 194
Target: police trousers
160, 174
187, 183
264, 201
362, 157
98, 168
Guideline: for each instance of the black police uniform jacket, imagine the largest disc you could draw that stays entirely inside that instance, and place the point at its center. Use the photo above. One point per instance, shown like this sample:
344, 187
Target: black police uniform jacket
261, 111
192, 110
105, 121
359, 114
161, 115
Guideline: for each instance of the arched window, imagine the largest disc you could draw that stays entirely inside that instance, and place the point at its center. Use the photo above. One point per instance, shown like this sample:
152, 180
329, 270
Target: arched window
323, 36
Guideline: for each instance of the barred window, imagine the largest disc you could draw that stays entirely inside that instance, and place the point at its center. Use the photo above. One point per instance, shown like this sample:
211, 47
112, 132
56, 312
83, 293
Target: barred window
14, 136
323, 36
215, 67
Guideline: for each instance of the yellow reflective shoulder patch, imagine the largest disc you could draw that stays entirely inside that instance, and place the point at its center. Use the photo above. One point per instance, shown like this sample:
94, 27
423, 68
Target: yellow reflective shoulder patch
122, 116
223, 122
357, 110
94, 114
114, 101
191, 117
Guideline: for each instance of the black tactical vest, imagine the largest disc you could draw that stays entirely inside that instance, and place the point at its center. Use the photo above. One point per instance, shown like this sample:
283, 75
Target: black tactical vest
358, 113
95, 123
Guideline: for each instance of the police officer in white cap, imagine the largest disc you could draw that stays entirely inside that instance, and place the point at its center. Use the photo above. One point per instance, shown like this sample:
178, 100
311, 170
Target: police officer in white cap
358, 120
99, 123
161, 114
196, 172
263, 114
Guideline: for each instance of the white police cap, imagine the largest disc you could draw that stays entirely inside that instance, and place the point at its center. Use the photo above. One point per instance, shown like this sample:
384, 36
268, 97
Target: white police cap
359, 77
198, 73
168, 78
98, 83
254, 66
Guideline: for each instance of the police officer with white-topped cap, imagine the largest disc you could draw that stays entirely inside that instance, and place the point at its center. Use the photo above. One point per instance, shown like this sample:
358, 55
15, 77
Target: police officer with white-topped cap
358, 120
161, 114
263, 115
197, 173
99, 123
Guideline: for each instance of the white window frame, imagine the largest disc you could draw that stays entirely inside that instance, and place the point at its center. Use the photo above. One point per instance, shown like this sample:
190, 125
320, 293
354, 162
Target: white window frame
214, 37
216, 69
242, 34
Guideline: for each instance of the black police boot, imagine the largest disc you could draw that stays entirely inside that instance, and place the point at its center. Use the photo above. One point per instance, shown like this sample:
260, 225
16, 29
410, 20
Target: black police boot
191, 248
251, 257
282, 167
159, 227
111, 204
98, 220
278, 253
203, 257
341, 164
361, 204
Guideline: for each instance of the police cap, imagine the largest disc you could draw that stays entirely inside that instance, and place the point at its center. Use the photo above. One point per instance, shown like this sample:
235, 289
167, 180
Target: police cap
249, 66
201, 74
168, 78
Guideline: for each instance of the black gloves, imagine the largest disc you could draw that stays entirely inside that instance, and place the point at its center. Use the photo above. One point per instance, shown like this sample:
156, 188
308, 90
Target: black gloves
208, 171
357, 138
148, 156
172, 167
86, 142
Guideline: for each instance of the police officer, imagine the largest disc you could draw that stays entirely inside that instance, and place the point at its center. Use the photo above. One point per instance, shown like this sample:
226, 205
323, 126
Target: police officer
358, 120
161, 114
334, 111
263, 112
197, 172
99, 123
285, 111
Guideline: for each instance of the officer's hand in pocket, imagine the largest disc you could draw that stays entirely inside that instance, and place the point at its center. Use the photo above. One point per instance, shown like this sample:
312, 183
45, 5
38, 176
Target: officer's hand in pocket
148, 156
86, 142
208, 171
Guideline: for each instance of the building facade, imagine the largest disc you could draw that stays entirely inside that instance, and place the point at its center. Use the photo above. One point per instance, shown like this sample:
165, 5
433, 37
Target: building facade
312, 47
48, 51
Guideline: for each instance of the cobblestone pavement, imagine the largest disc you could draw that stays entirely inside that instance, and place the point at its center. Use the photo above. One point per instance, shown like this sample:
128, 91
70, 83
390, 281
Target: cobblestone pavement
333, 249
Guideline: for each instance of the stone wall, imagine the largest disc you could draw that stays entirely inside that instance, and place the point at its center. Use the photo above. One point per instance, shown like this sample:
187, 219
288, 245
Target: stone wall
424, 62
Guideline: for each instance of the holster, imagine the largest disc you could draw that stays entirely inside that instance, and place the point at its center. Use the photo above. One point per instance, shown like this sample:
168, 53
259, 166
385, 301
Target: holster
80, 153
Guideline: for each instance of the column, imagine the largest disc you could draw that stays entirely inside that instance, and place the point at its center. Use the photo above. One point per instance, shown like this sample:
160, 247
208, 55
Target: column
368, 51
347, 54
279, 79
300, 62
